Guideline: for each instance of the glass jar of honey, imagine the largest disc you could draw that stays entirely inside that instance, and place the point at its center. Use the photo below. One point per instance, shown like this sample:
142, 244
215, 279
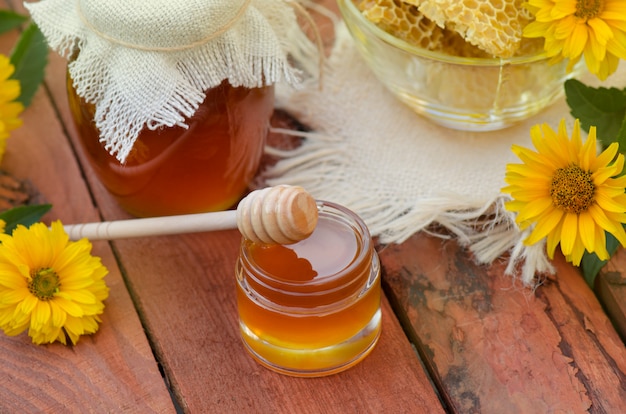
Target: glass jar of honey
172, 100
311, 308
173, 170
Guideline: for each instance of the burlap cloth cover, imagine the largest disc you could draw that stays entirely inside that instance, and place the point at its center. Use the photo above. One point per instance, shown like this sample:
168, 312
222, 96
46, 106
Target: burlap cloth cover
149, 62
400, 172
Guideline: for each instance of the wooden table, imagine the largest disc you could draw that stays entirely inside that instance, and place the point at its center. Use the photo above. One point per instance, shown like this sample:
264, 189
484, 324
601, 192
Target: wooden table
457, 337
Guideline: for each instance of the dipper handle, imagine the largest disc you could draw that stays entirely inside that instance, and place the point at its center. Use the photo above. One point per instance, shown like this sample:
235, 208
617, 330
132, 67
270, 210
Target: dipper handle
274, 215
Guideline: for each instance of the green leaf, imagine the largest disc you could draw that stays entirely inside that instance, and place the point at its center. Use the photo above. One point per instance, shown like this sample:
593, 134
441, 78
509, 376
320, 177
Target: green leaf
30, 57
604, 108
10, 20
591, 264
621, 136
25, 215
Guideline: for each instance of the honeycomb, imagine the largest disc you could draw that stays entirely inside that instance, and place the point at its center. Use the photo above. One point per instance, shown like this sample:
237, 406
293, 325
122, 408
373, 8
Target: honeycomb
467, 28
495, 26
405, 22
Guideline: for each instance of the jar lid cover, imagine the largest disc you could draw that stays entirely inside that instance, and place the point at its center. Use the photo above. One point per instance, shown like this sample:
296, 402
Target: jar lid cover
149, 62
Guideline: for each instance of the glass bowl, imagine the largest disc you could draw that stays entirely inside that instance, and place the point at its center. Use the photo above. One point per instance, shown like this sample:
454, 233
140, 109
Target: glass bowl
476, 94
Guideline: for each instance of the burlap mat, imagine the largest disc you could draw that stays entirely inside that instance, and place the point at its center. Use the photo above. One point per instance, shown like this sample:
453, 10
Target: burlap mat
402, 173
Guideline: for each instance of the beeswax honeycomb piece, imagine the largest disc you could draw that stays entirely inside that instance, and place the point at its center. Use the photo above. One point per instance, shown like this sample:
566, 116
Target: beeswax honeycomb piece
405, 22
495, 26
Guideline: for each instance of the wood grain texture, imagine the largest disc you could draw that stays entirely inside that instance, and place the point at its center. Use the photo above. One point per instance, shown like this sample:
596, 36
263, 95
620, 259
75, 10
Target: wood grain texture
111, 371
185, 290
495, 347
610, 287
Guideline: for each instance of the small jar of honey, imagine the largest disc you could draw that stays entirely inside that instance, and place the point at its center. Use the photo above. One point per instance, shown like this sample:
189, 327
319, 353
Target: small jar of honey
311, 308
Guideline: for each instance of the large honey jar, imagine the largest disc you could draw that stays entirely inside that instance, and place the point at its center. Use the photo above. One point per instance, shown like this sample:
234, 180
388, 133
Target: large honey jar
174, 170
311, 308
172, 100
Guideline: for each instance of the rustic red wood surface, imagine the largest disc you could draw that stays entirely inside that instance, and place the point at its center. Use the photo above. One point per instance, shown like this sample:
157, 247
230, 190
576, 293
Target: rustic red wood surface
610, 287
496, 347
483, 343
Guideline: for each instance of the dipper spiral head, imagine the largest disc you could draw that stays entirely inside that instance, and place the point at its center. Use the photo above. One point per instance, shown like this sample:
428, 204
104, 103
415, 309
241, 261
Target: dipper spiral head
281, 214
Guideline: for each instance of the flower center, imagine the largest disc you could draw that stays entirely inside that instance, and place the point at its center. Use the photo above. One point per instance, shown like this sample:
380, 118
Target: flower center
572, 189
587, 9
44, 283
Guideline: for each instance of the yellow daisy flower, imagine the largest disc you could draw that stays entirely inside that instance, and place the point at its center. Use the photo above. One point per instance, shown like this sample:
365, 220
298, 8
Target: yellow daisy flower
3, 225
49, 285
9, 110
573, 28
570, 195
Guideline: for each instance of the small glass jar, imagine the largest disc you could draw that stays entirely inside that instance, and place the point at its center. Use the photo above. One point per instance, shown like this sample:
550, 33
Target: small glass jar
311, 308
173, 170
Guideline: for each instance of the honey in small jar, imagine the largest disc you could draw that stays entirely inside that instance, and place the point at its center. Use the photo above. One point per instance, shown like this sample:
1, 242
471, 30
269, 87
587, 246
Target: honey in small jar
311, 308
174, 170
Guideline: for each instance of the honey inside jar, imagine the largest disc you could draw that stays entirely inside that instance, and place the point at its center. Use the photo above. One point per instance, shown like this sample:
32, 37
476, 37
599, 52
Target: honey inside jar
174, 170
311, 308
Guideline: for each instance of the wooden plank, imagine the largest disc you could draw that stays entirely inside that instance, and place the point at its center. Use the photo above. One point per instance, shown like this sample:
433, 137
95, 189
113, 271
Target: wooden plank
111, 371
185, 288
610, 287
493, 346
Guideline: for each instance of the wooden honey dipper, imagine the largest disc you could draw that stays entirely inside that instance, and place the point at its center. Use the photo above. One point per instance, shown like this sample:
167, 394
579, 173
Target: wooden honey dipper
274, 215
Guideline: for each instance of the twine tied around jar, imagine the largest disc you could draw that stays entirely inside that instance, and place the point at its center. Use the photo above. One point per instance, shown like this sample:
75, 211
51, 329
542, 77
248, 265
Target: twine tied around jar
148, 63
